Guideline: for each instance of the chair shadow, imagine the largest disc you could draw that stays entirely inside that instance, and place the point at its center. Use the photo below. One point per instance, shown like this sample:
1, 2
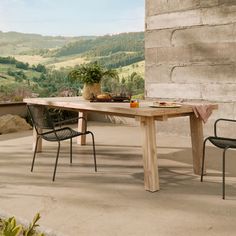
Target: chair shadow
116, 164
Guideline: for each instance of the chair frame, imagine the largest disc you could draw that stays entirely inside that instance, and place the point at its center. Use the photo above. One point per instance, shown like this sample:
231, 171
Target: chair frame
58, 139
216, 137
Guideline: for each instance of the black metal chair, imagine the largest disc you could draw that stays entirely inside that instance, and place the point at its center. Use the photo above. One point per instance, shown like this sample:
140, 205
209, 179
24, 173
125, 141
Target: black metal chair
42, 120
220, 142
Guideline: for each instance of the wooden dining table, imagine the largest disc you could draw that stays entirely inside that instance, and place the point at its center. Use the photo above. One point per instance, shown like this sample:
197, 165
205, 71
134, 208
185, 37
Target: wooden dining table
146, 116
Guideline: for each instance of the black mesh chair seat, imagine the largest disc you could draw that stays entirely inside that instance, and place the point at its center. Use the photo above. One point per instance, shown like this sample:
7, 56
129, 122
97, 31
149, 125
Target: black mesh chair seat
222, 143
62, 134
41, 119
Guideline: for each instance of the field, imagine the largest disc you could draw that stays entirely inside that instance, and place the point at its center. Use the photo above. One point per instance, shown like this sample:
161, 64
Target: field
67, 62
128, 70
72, 61
3, 73
53, 62
32, 60
63, 62
10, 79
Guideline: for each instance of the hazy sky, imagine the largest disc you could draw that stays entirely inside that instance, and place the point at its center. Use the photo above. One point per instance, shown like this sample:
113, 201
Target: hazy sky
72, 17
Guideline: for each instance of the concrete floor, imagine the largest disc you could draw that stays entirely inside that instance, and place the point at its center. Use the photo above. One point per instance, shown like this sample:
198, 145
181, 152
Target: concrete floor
113, 200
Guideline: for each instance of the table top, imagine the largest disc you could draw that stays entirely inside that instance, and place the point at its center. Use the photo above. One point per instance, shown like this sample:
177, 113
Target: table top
77, 103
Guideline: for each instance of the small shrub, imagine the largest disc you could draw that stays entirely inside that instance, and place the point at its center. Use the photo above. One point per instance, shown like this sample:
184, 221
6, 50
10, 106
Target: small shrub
9, 227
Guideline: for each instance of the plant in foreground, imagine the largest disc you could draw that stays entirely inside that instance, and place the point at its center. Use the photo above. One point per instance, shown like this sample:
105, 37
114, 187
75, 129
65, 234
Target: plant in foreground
8, 227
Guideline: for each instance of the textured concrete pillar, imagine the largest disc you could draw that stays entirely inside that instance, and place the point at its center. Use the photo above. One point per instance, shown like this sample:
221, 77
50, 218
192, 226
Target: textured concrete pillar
190, 51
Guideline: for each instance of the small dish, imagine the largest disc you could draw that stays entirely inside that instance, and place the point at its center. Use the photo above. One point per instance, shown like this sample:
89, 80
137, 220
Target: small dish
165, 105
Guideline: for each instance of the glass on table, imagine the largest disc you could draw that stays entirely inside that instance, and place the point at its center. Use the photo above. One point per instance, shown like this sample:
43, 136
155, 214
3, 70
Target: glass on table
134, 103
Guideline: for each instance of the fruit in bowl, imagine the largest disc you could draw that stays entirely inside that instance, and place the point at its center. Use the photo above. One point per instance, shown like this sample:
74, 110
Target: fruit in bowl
104, 96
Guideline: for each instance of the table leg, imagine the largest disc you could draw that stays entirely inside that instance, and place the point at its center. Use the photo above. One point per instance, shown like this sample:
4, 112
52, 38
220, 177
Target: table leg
39, 112
81, 128
151, 177
197, 142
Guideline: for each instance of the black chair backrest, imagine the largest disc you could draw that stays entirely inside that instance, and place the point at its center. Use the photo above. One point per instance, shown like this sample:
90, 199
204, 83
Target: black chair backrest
40, 117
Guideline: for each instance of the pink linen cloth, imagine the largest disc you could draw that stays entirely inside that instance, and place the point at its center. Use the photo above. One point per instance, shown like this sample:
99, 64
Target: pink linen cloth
203, 111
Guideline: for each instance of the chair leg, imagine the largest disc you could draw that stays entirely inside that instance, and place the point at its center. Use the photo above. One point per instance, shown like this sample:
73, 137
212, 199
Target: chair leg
94, 152
203, 158
55, 168
71, 151
223, 174
35, 150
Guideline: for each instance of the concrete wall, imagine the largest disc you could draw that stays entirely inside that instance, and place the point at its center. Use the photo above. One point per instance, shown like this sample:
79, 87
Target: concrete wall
190, 54
13, 108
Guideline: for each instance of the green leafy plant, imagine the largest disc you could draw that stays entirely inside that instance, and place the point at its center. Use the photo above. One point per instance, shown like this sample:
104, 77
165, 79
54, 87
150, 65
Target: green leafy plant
31, 230
90, 74
8, 227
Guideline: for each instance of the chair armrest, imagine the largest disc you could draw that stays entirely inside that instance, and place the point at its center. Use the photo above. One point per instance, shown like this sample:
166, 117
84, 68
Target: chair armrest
217, 121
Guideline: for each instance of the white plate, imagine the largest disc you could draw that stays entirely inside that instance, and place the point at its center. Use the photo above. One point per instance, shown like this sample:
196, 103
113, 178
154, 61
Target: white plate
166, 106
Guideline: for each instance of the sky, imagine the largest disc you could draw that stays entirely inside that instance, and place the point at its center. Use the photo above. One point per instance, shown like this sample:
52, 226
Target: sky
72, 17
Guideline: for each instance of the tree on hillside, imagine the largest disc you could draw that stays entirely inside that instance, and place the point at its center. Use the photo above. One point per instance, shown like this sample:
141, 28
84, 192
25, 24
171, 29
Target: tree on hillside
134, 84
111, 84
39, 68
22, 65
104, 45
7, 60
18, 75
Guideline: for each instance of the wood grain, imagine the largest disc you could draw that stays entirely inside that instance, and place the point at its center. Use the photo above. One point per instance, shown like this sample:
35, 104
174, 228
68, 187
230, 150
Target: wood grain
82, 128
197, 142
151, 177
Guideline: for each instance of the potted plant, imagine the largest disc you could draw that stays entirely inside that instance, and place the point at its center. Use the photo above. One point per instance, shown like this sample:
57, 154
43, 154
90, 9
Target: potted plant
91, 76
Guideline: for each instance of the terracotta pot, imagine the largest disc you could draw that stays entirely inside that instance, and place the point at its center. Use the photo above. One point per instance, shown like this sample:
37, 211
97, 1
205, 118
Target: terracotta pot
91, 90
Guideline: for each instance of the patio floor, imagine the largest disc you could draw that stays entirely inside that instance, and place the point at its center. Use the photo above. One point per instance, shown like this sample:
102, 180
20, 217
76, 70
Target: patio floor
113, 200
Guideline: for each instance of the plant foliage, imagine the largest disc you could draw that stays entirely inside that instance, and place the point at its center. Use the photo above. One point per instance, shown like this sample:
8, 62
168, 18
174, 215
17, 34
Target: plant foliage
9, 227
90, 73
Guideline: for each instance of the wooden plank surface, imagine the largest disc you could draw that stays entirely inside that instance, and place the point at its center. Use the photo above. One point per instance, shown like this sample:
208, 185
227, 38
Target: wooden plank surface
38, 112
110, 108
81, 128
151, 177
197, 142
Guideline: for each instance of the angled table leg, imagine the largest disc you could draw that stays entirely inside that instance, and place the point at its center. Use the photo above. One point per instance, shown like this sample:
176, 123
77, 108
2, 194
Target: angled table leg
151, 177
197, 142
81, 128
39, 112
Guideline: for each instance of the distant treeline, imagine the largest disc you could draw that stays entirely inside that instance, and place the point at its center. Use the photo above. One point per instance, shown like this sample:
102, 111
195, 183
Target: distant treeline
120, 59
111, 51
14, 43
22, 65
104, 45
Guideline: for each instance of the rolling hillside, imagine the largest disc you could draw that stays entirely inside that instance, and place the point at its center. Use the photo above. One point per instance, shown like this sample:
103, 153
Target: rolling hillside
104, 45
37, 64
14, 43
112, 51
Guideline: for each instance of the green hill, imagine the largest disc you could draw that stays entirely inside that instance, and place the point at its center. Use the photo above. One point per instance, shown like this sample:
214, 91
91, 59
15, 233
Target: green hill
36, 64
112, 51
14, 43
104, 45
